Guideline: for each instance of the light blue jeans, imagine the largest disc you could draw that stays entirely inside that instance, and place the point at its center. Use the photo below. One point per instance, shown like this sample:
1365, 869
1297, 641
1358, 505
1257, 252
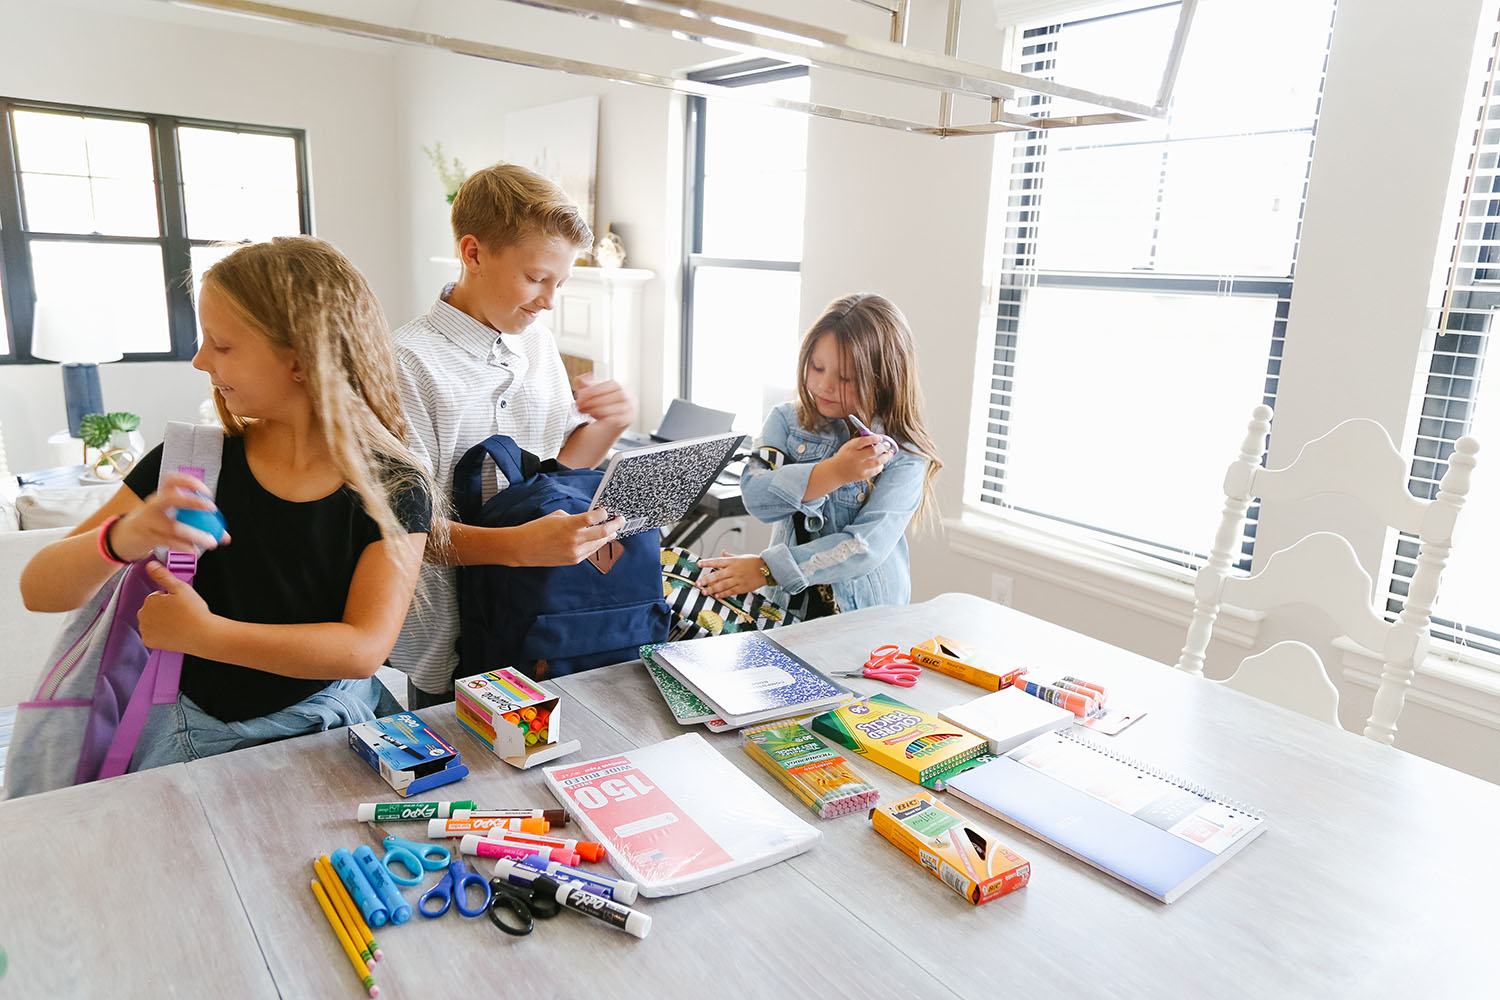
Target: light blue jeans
182, 731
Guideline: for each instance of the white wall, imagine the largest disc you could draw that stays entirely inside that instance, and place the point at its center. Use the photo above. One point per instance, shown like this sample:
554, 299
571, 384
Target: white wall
143, 55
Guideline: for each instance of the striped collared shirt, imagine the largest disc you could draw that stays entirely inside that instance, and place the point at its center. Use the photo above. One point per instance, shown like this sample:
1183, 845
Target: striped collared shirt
460, 383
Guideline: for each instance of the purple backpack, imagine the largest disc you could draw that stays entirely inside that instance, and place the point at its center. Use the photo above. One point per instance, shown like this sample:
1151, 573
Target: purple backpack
86, 717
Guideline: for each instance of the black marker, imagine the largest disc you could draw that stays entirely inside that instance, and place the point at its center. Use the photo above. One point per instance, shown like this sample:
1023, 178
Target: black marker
581, 901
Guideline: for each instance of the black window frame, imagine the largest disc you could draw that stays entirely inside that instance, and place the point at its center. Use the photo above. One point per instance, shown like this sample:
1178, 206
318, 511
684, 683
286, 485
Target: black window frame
176, 246
745, 73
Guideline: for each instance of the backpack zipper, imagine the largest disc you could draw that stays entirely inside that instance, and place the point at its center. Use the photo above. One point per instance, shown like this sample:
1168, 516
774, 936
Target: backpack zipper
69, 660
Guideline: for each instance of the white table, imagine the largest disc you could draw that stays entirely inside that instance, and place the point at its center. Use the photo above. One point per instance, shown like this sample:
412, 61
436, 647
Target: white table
1375, 877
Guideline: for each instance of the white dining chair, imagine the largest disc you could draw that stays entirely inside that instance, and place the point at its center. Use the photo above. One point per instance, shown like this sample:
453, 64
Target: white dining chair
1356, 459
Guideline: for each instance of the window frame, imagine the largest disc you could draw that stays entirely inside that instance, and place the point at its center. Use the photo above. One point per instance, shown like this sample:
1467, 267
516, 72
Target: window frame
744, 73
172, 235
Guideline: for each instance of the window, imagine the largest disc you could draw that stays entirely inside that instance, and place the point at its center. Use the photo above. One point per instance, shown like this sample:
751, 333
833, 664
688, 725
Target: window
121, 210
1452, 397
747, 176
1144, 273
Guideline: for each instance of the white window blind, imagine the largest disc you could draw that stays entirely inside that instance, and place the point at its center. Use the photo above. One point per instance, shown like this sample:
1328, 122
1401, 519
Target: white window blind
1451, 397
1145, 271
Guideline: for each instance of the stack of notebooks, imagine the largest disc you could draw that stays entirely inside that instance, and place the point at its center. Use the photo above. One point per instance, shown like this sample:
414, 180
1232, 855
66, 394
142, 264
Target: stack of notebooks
738, 679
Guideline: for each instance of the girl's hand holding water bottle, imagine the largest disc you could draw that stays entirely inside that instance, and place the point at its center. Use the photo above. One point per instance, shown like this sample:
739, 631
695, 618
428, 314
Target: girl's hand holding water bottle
176, 516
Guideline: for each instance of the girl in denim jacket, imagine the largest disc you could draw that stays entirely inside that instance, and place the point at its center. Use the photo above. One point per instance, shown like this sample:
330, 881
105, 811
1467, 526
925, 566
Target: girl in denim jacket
839, 500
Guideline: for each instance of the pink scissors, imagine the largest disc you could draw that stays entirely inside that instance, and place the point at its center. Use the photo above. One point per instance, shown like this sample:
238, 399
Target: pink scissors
889, 664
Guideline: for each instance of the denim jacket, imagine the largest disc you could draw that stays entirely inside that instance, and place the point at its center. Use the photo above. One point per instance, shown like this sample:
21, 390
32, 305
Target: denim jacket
858, 542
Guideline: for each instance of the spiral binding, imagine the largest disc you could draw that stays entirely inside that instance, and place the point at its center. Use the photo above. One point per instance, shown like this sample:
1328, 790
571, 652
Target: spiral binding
1202, 791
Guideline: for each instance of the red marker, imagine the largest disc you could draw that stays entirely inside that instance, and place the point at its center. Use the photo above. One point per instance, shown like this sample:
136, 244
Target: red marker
589, 850
486, 848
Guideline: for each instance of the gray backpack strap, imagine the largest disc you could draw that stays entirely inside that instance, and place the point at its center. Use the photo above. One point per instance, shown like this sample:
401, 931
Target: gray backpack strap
195, 449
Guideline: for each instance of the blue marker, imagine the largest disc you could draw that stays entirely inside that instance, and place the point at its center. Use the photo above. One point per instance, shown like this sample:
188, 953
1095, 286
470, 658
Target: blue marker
390, 896
522, 872
359, 888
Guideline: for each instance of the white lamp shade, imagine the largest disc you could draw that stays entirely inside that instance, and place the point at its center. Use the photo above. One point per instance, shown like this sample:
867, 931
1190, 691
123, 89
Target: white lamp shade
73, 333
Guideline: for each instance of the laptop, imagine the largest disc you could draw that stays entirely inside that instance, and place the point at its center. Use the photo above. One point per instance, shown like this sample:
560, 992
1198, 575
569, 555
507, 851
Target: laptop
682, 420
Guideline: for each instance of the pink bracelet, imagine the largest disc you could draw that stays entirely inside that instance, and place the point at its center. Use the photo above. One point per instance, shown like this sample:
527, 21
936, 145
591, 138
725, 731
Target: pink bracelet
103, 539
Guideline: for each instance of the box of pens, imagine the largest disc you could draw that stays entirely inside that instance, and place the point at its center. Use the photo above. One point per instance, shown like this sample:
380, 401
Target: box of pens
406, 753
966, 662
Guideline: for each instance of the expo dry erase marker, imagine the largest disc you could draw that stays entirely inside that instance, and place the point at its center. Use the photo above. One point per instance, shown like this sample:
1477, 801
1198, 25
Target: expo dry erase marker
524, 871
556, 817
455, 827
580, 900
588, 850
484, 847
382, 811
390, 896
360, 889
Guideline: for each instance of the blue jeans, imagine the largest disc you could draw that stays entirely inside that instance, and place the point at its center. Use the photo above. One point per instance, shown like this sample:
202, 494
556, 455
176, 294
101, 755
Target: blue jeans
182, 731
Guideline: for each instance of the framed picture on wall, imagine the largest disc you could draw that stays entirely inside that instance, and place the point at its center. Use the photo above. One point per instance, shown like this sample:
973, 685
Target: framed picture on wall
561, 142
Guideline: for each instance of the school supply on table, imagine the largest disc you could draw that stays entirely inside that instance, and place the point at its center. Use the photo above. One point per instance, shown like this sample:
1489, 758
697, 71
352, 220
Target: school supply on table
453, 889
695, 614
553, 817
359, 932
384, 812
968, 663
417, 858
359, 888
686, 707
1111, 719
915, 744
1008, 717
527, 869
1144, 826
487, 847
588, 850
386, 890
513, 906
886, 663
748, 677
968, 860
820, 778
676, 816
579, 900
360, 968
550, 620
406, 753
657, 485
85, 716
462, 826
517, 718
1080, 705
1089, 688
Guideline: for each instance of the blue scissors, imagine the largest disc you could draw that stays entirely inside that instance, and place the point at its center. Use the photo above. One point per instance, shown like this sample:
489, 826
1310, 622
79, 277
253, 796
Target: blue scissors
889, 664
415, 857
453, 888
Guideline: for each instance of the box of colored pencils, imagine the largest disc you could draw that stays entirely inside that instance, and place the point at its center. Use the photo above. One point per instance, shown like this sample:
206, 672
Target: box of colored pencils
820, 777
968, 663
518, 719
967, 859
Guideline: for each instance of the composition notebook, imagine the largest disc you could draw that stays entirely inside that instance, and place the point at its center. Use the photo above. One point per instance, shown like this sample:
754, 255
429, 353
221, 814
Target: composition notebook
1144, 826
746, 677
658, 484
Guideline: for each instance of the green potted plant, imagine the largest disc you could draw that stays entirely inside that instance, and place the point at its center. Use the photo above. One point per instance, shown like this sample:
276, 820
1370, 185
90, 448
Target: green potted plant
113, 436
450, 170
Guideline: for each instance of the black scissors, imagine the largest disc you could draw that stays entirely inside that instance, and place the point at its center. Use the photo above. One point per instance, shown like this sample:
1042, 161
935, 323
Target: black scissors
512, 907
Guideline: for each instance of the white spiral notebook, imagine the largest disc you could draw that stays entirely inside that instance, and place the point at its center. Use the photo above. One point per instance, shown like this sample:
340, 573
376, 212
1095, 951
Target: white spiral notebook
1144, 826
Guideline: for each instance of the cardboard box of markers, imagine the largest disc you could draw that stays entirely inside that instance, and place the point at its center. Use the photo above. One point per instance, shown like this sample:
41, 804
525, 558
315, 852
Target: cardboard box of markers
406, 753
517, 718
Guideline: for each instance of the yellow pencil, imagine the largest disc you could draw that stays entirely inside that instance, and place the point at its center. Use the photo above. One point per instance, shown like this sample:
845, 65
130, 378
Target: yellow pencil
359, 931
360, 969
343, 913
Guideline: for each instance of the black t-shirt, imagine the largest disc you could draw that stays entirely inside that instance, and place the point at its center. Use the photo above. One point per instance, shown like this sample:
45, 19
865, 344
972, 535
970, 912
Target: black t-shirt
287, 564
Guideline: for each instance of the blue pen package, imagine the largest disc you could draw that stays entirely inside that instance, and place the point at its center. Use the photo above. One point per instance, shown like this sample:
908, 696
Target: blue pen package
406, 753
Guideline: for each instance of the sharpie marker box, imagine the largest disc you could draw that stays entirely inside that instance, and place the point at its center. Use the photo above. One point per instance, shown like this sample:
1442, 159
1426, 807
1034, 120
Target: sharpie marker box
406, 753
967, 663
968, 860
517, 718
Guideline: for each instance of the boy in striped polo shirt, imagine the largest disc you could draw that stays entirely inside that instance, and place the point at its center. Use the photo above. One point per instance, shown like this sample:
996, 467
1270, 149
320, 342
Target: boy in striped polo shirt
478, 363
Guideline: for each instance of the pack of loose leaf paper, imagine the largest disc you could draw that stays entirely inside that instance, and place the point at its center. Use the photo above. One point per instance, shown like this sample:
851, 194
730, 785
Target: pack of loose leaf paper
676, 816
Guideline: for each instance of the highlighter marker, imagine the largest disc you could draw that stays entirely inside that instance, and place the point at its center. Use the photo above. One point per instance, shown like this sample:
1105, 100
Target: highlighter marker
462, 827
525, 871
580, 900
1078, 705
588, 850
484, 847
360, 889
390, 896
383, 811
556, 817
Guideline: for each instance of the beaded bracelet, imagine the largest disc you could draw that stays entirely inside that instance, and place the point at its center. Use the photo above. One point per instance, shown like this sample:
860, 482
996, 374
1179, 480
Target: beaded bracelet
105, 549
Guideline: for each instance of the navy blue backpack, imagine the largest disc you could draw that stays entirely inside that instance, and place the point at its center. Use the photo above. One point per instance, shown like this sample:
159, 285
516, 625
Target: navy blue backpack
548, 621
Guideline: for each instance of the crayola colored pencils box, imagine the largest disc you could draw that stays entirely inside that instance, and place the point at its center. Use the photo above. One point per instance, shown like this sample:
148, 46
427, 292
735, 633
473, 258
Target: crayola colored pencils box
968, 663
969, 860
518, 719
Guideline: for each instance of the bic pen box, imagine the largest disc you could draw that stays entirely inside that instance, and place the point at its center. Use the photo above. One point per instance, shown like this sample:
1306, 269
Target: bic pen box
518, 719
969, 861
967, 663
407, 754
